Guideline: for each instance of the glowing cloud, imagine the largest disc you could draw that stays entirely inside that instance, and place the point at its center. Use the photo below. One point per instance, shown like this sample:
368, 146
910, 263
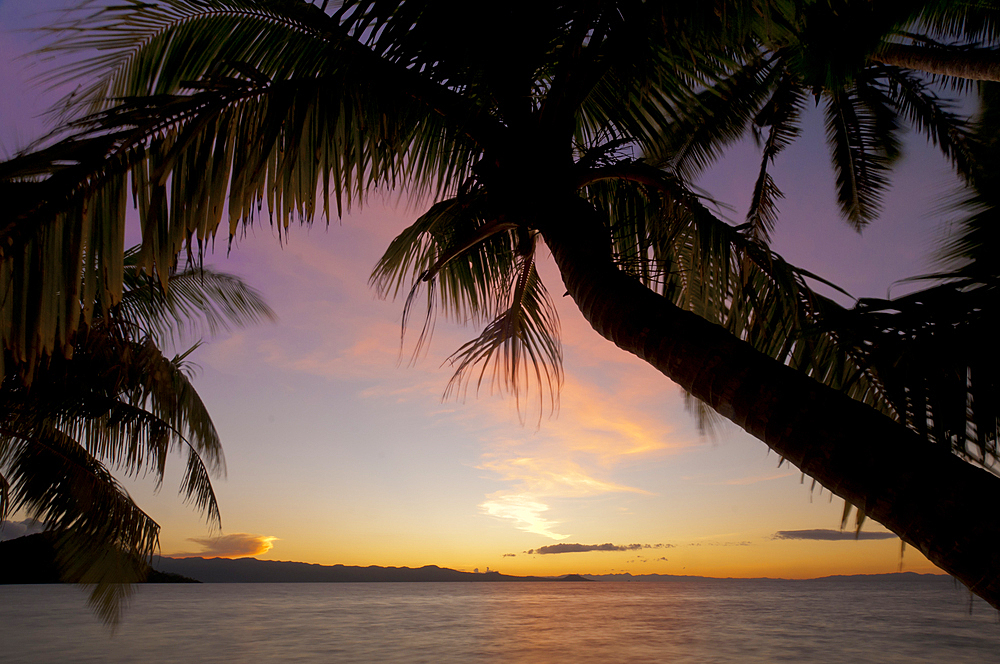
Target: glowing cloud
234, 545
552, 477
537, 479
525, 511
605, 427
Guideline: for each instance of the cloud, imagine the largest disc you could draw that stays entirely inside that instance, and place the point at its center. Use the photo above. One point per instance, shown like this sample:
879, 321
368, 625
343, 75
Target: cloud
604, 427
234, 545
525, 512
13, 529
581, 548
553, 477
612, 422
536, 480
510, 555
825, 534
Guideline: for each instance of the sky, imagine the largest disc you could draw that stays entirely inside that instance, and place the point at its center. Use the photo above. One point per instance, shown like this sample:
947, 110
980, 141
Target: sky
339, 451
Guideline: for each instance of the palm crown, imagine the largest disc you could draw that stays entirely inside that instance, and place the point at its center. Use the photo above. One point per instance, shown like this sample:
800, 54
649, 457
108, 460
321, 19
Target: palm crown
117, 403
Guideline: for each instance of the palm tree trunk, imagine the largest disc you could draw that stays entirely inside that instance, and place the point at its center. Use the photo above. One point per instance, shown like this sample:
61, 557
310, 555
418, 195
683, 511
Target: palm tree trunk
976, 64
933, 500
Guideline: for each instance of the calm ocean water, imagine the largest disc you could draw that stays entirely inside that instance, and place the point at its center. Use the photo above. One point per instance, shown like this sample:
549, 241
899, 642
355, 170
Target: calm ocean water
679, 621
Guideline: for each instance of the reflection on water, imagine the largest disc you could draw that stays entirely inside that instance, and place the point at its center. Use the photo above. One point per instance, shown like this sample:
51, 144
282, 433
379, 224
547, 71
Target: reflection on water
679, 621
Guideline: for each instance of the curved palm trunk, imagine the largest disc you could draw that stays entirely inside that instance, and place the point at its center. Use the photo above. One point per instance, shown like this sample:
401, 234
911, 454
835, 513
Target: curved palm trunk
976, 64
930, 498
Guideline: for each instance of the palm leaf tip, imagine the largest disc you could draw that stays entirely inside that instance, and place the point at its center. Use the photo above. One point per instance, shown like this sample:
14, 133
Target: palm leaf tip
196, 300
461, 259
520, 348
862, 131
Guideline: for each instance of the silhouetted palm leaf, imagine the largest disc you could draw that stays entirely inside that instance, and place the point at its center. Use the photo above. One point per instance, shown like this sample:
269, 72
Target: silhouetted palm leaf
116, 403
780, 115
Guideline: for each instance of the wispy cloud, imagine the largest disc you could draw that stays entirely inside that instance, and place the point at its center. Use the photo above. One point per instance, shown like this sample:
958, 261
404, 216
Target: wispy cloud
537, 481
234, 545
612, 424
526, 513
582, 548
575, 458
824, 534
547, 476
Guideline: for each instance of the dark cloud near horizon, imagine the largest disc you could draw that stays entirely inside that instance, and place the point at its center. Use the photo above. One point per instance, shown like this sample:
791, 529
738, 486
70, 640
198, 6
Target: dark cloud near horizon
510, 555
582, 548
829, 535
234, 545
13, 529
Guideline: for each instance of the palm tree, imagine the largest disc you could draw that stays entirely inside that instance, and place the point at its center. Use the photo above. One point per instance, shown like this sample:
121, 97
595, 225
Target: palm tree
116, 403
202, 105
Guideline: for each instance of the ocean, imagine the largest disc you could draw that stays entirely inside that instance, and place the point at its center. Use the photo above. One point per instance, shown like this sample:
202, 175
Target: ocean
704, 621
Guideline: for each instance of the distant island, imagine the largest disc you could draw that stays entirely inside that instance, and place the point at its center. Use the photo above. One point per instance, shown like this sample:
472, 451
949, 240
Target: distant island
251, 570
31, 559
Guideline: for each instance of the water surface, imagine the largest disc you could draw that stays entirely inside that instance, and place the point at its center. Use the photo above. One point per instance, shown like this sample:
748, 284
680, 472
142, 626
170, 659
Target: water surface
677, 621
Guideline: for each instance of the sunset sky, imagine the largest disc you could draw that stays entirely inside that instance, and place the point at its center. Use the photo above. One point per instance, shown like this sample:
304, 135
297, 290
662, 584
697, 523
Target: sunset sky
339, 451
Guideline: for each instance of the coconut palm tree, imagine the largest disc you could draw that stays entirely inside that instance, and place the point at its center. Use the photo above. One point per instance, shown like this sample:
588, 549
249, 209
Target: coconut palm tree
867, 101
554, 123
116, 403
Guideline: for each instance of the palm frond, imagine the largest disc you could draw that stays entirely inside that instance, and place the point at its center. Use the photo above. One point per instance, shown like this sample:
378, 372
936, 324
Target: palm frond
126, 403
721, 115
108, 570
969, 254
781, 115
102, 537
934, 356
663, 234
233, 143
142, 49
931, 115
462, 259
860, 160
199, 299
116, 402
968, 22
519, 351
632, 80
61, 484
476, 270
